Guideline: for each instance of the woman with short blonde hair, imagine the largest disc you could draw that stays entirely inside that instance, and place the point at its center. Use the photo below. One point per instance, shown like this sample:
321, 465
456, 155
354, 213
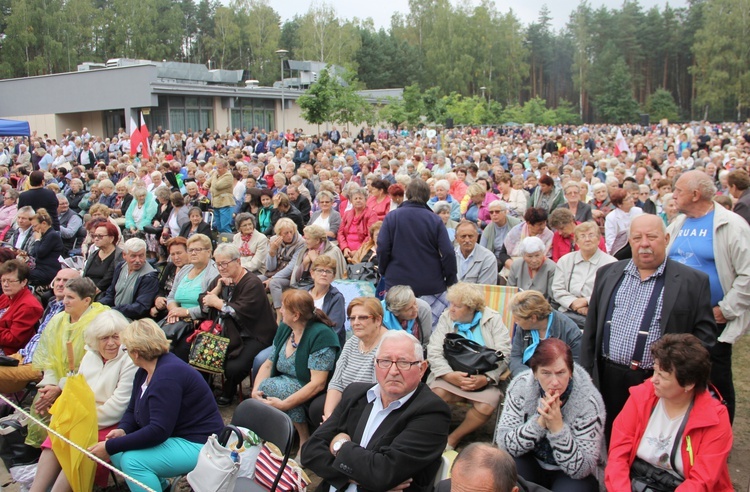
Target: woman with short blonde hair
468, 316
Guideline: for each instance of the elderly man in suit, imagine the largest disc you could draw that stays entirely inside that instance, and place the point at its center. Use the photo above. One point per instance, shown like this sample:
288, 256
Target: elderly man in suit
387, 435
634, 303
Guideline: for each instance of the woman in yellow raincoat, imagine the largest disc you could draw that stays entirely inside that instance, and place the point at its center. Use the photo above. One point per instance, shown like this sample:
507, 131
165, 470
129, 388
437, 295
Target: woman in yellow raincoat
51, 356
109, 372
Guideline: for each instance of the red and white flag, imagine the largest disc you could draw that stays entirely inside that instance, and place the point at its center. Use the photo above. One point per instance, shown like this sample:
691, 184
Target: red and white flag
139, 138
144, 137
621, 145
135, 137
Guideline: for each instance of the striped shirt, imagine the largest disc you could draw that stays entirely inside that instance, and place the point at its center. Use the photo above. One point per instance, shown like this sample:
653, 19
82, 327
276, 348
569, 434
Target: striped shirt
631, 300
353, 366
53, 308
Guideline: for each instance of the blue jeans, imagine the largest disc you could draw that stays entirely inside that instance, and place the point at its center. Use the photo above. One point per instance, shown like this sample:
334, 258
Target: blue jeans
223, 219
152, 466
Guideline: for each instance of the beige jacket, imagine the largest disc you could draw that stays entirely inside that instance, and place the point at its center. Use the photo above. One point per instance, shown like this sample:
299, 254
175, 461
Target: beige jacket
732, 257
221, 190
259, 245
495, 333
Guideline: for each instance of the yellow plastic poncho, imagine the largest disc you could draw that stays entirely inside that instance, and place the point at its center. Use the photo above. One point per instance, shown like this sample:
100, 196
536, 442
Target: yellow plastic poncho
51, 354
51, 357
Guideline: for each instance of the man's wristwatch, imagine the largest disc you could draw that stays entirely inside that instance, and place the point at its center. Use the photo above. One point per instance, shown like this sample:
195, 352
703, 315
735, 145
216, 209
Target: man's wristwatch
490, 382
337, 445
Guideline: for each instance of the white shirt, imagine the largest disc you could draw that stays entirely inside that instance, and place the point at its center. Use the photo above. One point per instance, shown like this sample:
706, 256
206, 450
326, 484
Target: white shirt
657, 442
574, 276
22, 237
377, 415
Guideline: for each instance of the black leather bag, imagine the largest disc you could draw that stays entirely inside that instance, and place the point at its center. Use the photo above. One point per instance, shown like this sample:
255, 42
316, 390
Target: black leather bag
177, 330
645, 477
468, 356
13, 450
367, 271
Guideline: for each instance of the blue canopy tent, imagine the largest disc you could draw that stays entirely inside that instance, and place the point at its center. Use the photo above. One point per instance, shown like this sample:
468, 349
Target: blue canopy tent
14, 128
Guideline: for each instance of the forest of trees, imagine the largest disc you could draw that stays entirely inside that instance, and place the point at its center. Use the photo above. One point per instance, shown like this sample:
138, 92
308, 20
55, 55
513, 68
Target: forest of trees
605, 64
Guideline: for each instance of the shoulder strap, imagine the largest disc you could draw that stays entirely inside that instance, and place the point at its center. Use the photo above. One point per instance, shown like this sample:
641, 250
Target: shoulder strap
678, 437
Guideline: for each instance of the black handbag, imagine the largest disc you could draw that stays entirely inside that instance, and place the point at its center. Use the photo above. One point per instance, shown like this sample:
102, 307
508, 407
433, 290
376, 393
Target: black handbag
177, 330
367, 271
468, 356
644, 477
13, 450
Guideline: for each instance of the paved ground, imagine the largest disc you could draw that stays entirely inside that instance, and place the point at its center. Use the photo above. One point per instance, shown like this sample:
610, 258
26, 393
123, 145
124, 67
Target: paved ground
739, 462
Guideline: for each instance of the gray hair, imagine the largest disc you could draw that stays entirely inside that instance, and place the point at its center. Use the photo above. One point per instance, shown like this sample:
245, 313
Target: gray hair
443, 183
441, 205
26, 210
108, 323
498, 203
358, 191
229, 250
399, 334
398, 298
133, 245
598, 186
532, 244
61, 197
243, 217
83, 287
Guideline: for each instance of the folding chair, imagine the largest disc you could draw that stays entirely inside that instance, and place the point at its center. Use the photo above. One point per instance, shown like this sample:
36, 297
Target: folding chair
269, 424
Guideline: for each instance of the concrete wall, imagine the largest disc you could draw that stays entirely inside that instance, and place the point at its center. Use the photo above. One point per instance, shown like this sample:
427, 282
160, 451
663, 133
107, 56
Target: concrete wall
116, 88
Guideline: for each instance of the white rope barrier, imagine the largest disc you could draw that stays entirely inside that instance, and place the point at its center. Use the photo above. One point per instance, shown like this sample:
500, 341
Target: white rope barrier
85, 452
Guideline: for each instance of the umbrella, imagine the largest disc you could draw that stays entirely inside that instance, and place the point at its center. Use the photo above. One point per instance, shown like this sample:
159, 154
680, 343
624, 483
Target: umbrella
74, 416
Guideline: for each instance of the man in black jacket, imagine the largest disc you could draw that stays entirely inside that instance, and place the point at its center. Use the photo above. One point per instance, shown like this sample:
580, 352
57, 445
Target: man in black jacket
37, 196
634, 303
300, 202
386, 435
135, 283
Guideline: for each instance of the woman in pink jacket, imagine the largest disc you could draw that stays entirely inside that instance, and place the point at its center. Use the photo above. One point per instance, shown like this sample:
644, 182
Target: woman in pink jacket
671, 425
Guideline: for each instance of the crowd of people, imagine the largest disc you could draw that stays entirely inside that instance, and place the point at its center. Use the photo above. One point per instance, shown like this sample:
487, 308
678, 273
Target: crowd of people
632, 264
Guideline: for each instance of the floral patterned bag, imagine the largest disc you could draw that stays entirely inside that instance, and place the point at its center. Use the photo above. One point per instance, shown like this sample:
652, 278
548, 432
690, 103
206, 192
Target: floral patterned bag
208, 352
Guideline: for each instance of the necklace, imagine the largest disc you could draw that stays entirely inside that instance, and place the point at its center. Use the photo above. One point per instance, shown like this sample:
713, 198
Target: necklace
294, 343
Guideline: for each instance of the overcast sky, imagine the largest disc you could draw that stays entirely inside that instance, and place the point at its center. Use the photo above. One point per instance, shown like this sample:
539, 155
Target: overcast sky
381, 10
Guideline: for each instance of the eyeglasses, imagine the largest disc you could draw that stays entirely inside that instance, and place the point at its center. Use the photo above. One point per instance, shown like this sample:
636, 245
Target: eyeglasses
587, 236
496, 211
99, 236
323, 270
363, 317
223, 264
7, 281
197, 250
402, 365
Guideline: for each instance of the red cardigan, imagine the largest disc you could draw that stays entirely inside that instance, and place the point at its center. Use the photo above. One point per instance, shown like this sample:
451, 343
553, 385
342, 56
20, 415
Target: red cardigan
706, 442
561, 246
17, 323
362, 225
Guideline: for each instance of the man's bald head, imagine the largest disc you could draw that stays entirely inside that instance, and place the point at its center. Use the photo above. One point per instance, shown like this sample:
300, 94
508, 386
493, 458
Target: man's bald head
482, 467
61, 280
694, 193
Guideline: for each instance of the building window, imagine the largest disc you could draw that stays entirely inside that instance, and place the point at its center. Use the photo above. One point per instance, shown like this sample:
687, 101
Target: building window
248, 113
183, 113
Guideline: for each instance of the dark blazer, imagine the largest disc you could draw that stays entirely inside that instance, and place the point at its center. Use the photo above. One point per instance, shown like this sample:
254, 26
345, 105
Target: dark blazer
203, 228
408, 444
686, 308
46, 252
146, 289
742, 206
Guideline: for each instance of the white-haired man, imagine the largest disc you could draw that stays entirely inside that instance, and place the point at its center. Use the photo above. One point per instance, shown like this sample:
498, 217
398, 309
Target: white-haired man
135, 283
